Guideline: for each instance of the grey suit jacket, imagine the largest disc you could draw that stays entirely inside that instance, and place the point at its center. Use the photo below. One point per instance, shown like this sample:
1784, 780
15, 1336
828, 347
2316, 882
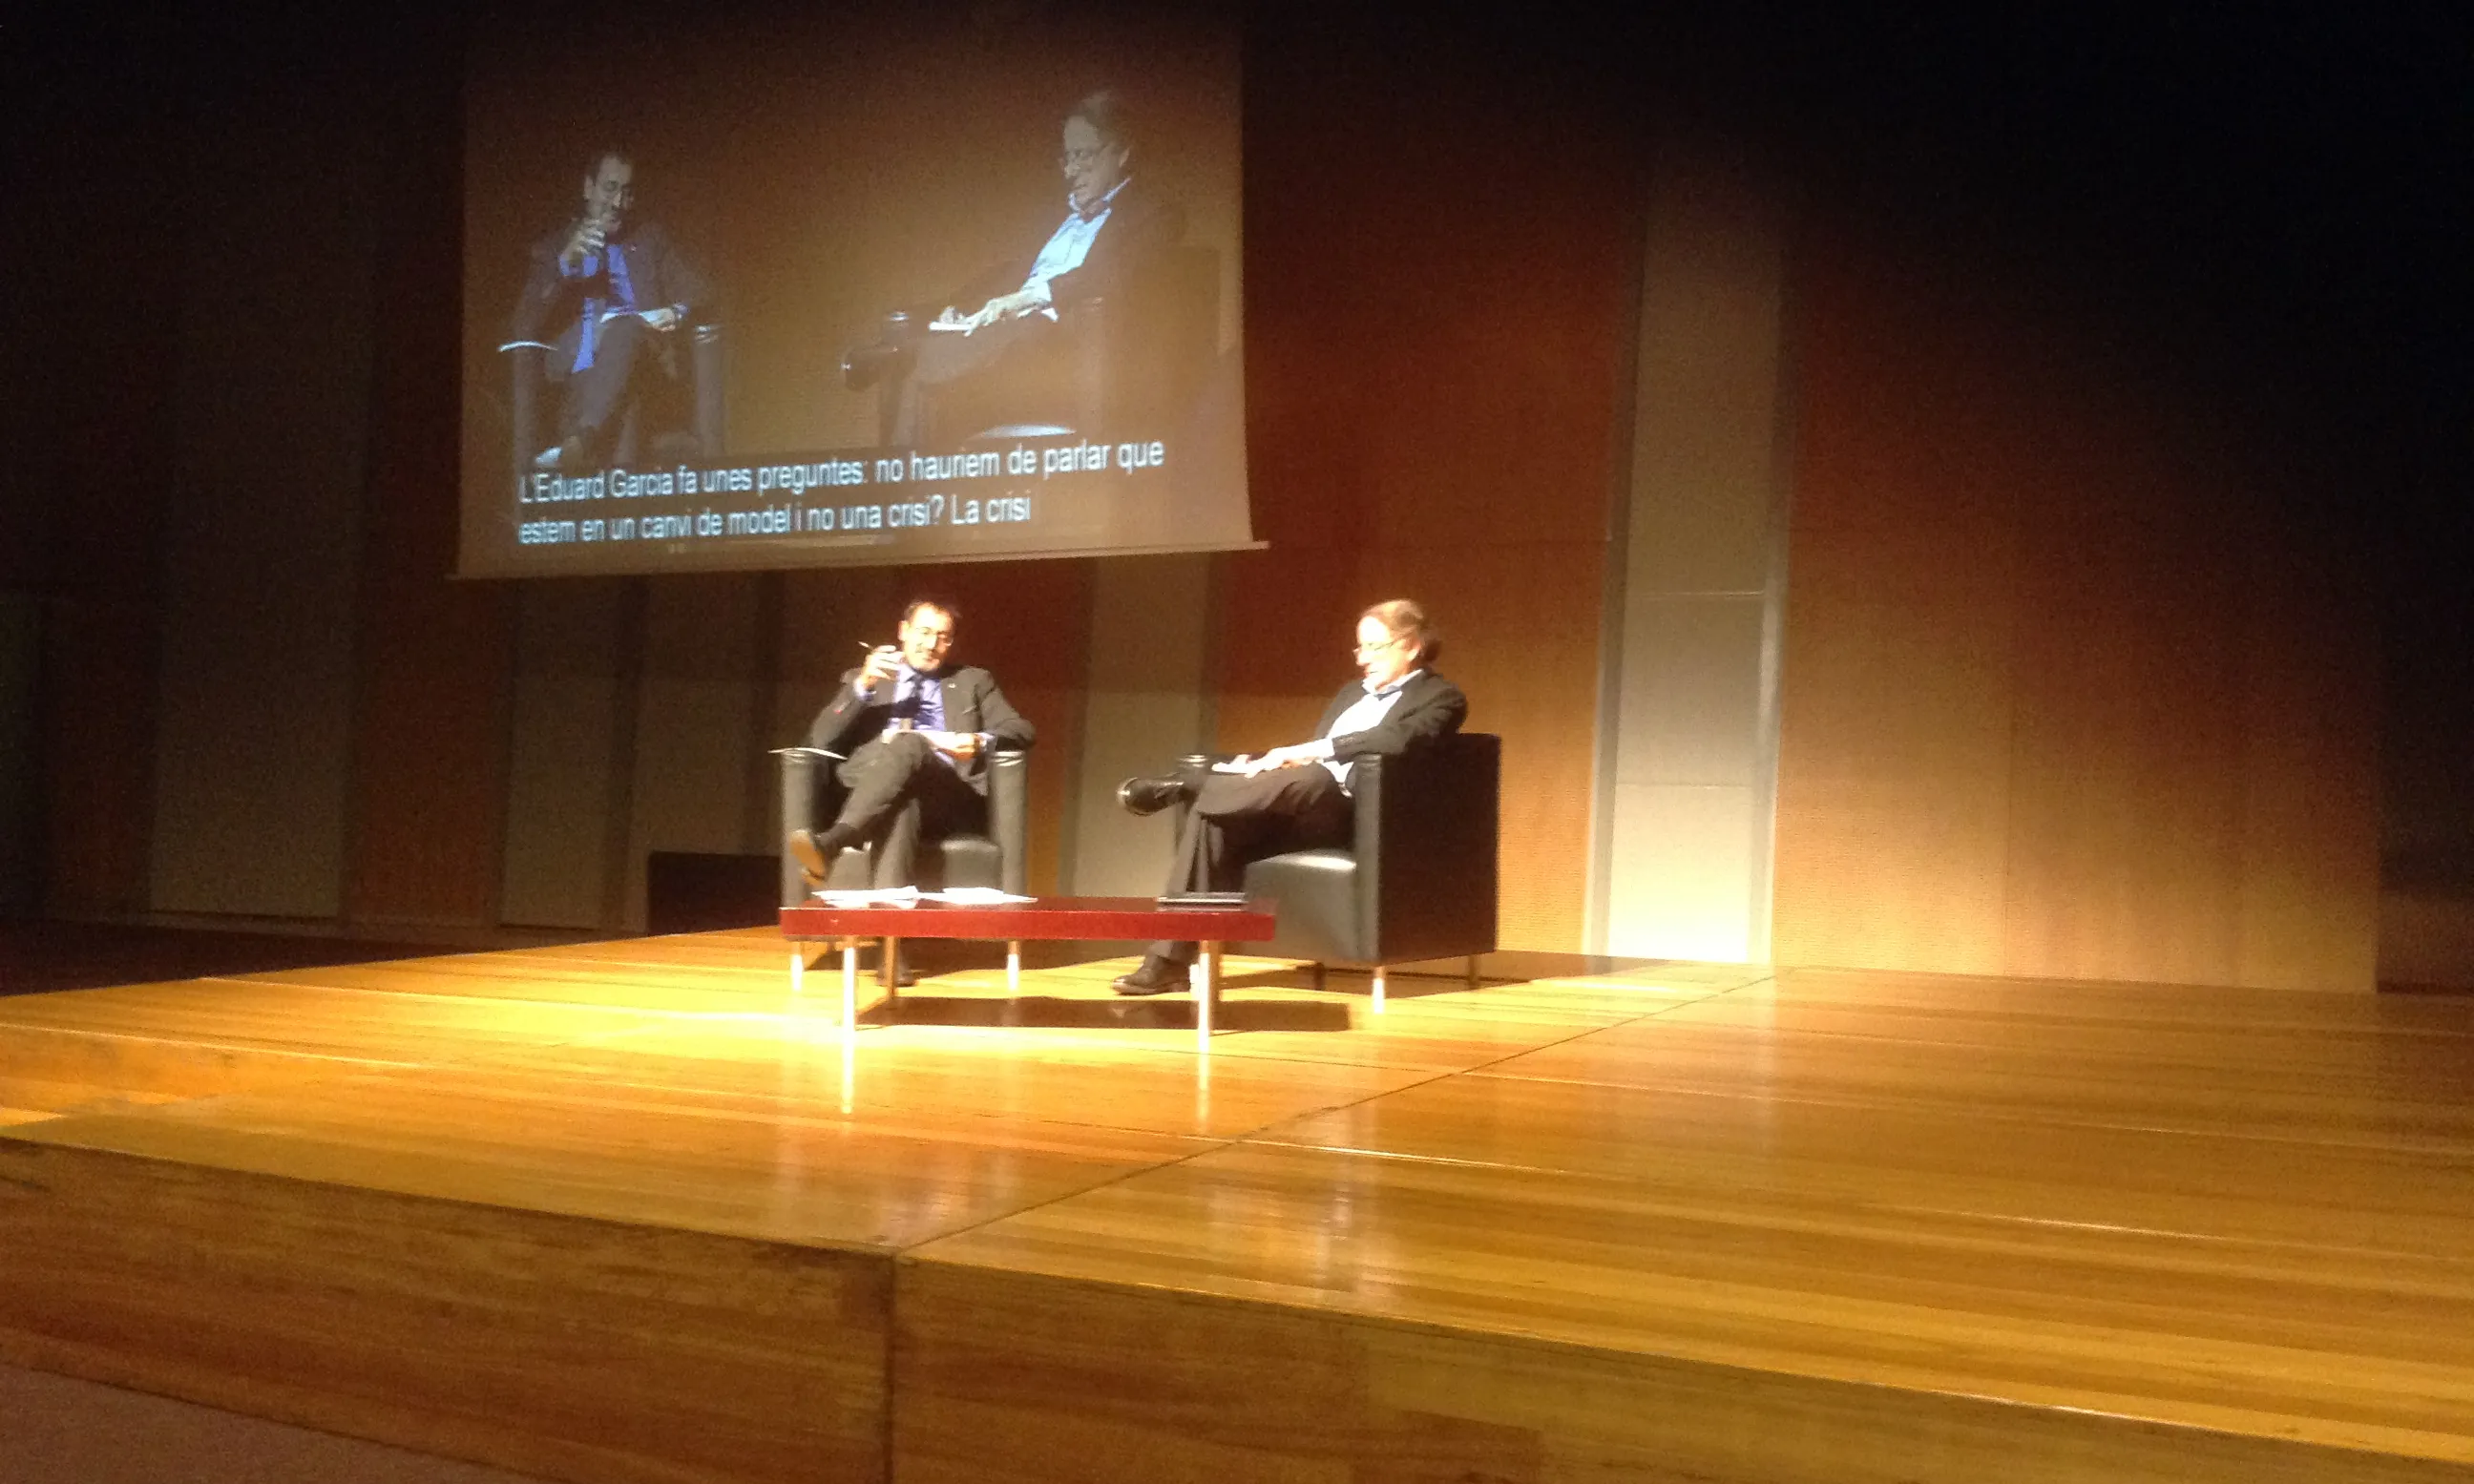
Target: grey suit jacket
973, 703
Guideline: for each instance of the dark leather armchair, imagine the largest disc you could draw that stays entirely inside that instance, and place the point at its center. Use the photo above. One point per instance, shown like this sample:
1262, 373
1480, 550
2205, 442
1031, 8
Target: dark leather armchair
812, 794
528, 423
1417, 880
1134, 361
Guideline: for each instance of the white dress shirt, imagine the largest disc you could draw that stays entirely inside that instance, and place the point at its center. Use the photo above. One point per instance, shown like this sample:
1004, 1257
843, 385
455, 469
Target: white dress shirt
1066, 250
1367, 709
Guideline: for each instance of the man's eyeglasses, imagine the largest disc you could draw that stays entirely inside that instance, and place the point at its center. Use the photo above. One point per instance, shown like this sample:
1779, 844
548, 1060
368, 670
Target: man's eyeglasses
1076, 159
1394, 642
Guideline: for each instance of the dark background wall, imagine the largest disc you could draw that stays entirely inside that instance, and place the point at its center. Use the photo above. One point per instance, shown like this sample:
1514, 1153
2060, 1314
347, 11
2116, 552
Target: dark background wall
2199, 274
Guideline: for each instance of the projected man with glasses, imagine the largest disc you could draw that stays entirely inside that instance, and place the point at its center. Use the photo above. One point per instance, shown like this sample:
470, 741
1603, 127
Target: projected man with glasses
997, 349
607, 294
1297, 797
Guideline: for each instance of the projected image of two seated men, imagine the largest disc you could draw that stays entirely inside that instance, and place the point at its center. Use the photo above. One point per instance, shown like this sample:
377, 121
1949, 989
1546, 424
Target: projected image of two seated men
883, 285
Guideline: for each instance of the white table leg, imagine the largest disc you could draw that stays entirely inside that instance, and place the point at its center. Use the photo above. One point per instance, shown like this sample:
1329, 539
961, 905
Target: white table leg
1204, 977
1013, 966
798, 968
850, 986
1378, 988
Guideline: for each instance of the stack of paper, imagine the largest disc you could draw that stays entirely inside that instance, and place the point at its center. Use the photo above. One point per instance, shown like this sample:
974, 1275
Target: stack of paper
912, 896
889, 896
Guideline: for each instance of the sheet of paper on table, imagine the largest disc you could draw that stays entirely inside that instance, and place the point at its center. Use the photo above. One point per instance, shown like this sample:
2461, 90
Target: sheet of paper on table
889, 896
912, 896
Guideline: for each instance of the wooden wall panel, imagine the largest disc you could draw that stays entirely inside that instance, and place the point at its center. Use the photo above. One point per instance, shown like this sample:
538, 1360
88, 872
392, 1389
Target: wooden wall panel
694, 783
98, 739
1892, 819
2311, 776
430, 730
1895, 711
88, 421
2070, 689
1432, 398
2126, 785
261, 537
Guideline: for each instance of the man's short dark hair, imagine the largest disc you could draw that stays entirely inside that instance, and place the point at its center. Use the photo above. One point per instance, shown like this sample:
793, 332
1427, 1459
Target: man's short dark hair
593, 161
1403, 619
939, 605
1106, 114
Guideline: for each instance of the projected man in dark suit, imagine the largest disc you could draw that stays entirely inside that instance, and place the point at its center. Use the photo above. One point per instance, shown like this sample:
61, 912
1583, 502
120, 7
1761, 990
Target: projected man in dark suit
915, 735
1000, 335
1297, 797
607, 294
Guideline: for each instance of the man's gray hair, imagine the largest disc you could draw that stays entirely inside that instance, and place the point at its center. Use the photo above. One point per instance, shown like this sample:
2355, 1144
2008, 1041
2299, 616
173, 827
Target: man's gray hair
1106, 114
1403, 619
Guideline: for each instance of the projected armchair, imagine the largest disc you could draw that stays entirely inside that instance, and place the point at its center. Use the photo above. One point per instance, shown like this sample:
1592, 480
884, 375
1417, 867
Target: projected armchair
1417, 880
1126, 360
685, 418
811, 793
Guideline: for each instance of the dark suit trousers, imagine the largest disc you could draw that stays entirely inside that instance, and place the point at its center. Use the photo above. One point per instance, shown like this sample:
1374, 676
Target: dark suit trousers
598, 395
1237, 820
902, 793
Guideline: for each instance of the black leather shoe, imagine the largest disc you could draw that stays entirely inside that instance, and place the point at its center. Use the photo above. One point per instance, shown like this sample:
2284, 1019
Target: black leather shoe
1150, 796
815, 853
1155, 976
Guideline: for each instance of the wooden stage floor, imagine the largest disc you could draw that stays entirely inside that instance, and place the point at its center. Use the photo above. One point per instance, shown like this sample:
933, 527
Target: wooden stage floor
624, 1211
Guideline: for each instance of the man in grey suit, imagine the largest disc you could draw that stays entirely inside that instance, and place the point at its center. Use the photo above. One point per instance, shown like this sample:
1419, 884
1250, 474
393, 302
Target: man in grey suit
915, 735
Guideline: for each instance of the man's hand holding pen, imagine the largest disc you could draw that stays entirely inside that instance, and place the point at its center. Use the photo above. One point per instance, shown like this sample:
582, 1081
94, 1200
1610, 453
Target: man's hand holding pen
883, 662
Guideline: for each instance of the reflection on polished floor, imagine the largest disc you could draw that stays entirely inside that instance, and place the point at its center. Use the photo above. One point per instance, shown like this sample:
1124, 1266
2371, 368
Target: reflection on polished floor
627, 1210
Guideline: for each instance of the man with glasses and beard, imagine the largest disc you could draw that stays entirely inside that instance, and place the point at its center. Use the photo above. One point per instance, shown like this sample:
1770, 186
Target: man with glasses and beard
1297, 797
917, 734
605, 295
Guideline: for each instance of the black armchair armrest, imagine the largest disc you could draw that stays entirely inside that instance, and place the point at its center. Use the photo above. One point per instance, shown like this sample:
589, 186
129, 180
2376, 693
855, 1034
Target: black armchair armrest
1417, 877
1426, 845
807, 773
1010, 815
524, 359
705, 348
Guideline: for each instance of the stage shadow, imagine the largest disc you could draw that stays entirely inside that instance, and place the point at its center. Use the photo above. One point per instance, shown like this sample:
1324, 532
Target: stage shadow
38, 958
1351, 983
1165, 1012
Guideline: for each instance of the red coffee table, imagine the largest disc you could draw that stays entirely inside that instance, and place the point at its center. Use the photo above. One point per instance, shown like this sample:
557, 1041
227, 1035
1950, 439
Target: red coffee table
1123, 918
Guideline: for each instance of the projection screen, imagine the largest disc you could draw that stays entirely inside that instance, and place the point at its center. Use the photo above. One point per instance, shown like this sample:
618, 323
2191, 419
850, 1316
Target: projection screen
850, 284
